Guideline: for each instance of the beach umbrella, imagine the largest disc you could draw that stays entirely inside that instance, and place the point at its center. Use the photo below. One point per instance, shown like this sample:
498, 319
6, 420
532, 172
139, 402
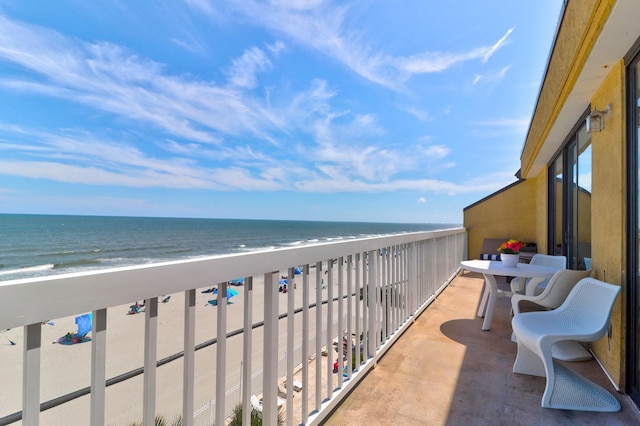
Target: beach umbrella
283, 282
297, 271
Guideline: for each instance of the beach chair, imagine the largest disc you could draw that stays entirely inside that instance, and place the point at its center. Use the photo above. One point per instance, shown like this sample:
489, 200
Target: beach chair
489, 250
297, 385
256, 404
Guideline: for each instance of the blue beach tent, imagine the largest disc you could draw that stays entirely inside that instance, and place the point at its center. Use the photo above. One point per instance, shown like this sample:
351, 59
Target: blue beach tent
230, 293
84, 324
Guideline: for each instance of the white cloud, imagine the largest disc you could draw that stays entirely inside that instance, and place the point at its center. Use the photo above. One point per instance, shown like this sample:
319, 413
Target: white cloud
321, 26
339, 151
276, 47
243, 70
497, 45
203, 5
422, 200
297, 4
107, 77
519, 125
419, 113
430, 62
434, 152
492, 77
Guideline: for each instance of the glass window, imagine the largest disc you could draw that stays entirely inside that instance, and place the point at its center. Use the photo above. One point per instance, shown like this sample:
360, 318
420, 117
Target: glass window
570, 201
555, 213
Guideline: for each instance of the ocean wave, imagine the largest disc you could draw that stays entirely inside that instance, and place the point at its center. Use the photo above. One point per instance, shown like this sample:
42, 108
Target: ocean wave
28, 269
76, 263
265, 248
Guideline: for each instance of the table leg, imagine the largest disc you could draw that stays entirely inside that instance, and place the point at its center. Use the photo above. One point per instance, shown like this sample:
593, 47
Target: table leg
492, 286
483, 299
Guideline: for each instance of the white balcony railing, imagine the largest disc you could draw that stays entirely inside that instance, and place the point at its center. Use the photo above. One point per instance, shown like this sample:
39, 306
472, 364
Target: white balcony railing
351, 297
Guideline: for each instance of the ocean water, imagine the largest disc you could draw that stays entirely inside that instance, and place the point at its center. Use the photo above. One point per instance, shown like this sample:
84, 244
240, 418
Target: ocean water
39, 245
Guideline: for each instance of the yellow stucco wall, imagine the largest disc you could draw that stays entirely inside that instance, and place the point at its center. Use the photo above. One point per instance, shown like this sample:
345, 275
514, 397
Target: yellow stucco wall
609, 209
510, 213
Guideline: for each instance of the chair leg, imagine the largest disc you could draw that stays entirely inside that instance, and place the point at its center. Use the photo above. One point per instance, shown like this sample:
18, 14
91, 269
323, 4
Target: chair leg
568, 390
528, 362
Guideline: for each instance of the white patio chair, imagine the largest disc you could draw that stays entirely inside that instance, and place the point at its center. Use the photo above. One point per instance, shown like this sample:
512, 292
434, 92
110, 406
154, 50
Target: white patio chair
584, 316
555, 292
528, 286
553, 295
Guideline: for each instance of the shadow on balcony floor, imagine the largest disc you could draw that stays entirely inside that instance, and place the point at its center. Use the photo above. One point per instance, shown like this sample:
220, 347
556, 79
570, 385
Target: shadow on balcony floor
446, 371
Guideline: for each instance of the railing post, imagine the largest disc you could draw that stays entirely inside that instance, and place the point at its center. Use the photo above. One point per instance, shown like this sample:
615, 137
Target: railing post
350, 318
291, 289
247, 352
365, 306
305, 344
329, 336
150, 360
412, 285
188, 368
383, 285
31, 374
98, 364
270, 379
319, 285
373, 304
341, 320
358, 302
221, 354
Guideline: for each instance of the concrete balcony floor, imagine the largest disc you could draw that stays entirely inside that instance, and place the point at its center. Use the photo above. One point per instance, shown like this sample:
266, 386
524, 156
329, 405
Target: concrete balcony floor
446, 371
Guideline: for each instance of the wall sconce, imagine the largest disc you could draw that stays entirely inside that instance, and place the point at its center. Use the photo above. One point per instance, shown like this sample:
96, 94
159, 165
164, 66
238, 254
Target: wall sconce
595, 120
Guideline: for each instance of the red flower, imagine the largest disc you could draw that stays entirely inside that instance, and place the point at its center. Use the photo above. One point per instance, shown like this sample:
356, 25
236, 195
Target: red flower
511, 247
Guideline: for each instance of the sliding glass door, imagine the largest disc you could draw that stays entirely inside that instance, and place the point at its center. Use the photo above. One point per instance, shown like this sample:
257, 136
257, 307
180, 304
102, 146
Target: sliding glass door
570, 200
633, 260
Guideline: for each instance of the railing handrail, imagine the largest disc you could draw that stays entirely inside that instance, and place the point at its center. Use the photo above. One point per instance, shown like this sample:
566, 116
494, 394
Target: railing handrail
389, 279
80, 292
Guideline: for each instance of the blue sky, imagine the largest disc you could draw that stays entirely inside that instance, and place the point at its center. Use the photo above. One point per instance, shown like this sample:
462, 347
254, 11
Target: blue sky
377, 111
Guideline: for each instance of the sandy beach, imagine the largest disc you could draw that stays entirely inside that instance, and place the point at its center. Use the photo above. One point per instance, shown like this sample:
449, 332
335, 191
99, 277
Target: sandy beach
66, 368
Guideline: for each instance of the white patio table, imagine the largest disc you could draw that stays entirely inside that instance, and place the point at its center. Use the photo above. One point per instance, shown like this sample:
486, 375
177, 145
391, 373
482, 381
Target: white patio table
492, 268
